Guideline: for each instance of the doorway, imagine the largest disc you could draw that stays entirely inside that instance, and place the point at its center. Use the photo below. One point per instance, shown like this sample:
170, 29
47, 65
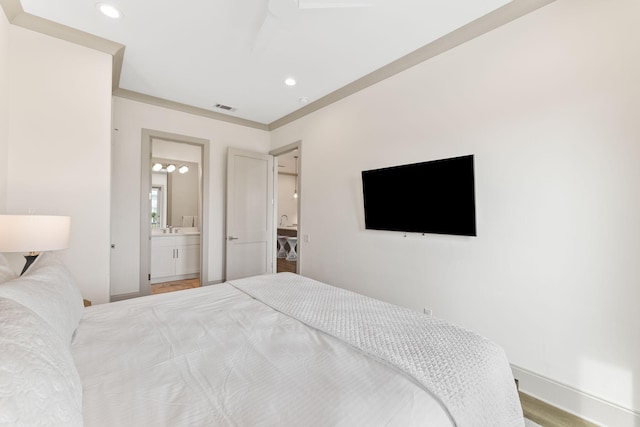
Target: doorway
287, 183
174, 212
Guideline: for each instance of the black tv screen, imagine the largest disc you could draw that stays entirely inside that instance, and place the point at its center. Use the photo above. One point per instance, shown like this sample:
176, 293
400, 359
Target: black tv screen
430, 197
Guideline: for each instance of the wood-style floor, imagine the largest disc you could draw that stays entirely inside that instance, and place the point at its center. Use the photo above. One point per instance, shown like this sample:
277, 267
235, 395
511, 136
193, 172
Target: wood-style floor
178, 285
549, 416
286, 266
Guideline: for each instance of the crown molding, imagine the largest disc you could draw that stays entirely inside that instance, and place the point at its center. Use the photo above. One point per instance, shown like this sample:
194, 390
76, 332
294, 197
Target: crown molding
499, 17
504, 15
11, 8
161, 102
17, 16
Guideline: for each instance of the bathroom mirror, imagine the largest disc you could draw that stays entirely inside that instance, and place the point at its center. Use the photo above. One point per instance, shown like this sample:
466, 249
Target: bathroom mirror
175, 194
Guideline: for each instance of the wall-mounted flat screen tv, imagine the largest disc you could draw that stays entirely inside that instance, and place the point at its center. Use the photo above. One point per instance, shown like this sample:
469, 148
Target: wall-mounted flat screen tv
430, 197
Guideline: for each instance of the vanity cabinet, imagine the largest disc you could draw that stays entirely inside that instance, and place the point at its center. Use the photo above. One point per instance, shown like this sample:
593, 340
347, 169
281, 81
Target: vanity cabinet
174, 256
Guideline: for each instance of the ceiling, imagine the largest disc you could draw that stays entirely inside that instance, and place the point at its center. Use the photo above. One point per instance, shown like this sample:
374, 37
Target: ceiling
238, 53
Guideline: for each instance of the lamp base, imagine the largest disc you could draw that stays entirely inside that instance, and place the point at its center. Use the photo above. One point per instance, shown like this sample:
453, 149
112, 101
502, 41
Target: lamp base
30, 258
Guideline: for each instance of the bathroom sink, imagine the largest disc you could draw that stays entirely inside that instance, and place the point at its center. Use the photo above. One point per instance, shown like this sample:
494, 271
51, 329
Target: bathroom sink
183, 231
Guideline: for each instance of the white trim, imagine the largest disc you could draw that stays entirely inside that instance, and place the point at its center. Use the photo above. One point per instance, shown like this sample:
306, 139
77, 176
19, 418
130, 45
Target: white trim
176, 106
174, 278
122, 297
574, 401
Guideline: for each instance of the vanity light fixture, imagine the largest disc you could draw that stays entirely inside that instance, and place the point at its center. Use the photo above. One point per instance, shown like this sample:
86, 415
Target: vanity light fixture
160, 167
109, 10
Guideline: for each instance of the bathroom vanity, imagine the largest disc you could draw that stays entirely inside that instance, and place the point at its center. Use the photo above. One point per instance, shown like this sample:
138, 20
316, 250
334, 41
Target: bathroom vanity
174, 255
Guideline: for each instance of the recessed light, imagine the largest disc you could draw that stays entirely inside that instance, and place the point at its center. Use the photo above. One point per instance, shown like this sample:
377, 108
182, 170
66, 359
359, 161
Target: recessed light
290, 81
304, 100
109, 10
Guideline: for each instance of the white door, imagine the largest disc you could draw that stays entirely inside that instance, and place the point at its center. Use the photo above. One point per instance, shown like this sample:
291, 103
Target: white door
249, 214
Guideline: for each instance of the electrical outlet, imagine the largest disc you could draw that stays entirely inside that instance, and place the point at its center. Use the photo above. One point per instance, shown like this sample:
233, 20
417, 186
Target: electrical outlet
305, 238
427, 311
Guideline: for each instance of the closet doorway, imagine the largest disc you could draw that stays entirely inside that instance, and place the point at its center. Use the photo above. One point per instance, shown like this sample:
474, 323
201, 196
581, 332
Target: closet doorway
174, 243
287, 209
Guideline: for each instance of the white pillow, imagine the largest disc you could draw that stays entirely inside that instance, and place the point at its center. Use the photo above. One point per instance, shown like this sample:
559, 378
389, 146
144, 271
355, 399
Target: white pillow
6, 272
39, 383
48, 289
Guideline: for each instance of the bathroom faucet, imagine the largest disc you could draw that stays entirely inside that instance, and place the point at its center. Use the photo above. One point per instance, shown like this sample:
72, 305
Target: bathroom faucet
282, 219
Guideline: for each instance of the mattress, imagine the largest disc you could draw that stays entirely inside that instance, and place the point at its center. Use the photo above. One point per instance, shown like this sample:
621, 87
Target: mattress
215, 356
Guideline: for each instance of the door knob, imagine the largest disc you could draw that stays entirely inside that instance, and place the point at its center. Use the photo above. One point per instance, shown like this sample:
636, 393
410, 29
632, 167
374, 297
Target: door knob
233, 238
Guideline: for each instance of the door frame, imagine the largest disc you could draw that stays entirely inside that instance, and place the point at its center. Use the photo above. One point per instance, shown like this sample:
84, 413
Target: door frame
275, 153
145, 207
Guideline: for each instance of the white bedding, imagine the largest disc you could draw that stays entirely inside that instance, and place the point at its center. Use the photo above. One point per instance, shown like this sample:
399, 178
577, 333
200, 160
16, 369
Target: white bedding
214, 356
466, 372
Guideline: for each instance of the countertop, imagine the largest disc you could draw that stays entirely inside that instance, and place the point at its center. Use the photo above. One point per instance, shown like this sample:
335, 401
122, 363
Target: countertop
178, 231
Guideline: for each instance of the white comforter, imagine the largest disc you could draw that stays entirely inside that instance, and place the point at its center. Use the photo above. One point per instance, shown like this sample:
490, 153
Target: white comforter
214, 356
467, 373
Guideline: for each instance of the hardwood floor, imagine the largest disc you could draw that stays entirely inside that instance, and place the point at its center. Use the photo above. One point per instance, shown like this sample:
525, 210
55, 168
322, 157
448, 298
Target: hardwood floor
286, 266
178, 285
549, 416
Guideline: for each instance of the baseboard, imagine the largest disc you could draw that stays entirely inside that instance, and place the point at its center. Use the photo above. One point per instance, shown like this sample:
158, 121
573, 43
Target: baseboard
122, 297
165, 279
549, 416
574, 401
213, 282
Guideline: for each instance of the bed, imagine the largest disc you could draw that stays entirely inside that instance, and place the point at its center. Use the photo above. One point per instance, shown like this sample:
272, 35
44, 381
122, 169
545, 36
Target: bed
271, 350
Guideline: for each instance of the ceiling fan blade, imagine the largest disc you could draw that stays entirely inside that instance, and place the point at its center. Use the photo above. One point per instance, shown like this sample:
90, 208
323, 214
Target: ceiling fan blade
265, 34
332, 4
273, 16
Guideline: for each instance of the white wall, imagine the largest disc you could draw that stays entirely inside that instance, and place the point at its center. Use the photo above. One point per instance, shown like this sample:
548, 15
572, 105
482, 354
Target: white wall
58, 153
287, 204
549, 106
176, 151
4, 108
130, 117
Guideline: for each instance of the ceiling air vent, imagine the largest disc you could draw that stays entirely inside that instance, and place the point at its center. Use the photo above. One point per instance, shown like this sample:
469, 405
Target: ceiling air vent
225, 107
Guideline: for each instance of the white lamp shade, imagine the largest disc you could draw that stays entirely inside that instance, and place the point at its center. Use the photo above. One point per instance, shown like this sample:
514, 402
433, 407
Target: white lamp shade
34, 233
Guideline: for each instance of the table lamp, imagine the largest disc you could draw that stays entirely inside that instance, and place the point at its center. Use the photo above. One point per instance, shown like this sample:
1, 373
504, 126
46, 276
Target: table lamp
33, 234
